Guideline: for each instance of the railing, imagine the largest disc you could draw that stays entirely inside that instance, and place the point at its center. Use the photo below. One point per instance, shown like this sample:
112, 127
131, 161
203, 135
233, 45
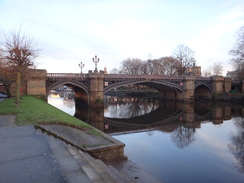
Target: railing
66, 75
121, 76
146, 77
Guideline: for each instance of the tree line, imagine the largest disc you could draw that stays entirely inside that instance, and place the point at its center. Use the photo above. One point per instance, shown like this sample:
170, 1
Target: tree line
178, 64
183, 58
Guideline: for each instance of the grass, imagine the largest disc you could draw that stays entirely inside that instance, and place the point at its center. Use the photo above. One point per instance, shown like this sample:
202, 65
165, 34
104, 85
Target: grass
33, 110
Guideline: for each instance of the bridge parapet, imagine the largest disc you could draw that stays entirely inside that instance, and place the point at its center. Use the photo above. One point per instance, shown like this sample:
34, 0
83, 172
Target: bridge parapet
67, 76
141, 77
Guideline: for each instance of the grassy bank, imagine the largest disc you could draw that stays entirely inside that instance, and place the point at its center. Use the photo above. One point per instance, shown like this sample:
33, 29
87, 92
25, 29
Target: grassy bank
35, 111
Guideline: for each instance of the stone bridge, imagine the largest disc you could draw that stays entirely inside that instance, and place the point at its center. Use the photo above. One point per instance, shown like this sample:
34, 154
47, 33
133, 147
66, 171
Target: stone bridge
92, 86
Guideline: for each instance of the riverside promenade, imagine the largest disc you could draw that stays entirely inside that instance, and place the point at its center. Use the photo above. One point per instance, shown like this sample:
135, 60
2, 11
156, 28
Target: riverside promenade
28, 154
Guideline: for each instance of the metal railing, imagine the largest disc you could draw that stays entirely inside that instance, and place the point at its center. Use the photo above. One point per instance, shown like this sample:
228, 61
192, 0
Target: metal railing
66, 75
121, 76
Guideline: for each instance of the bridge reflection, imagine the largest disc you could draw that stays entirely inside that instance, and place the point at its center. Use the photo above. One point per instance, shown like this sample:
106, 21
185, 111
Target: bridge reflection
127, 116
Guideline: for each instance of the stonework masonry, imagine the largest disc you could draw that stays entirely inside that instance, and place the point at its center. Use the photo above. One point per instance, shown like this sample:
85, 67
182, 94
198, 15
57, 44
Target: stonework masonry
96, 88
36, 83
93, 90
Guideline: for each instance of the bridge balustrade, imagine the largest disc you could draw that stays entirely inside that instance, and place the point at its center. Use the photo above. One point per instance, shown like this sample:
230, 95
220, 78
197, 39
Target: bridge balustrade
121, 76
66, 76
140, 77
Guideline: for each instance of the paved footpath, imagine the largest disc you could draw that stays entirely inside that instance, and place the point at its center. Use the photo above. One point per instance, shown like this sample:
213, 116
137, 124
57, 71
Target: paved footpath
28, 155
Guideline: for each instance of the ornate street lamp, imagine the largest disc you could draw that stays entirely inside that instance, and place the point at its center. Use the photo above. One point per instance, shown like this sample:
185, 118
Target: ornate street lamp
95, 60
81, 65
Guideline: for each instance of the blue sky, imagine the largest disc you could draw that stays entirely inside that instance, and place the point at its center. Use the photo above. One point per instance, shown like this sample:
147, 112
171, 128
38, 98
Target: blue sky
71, 31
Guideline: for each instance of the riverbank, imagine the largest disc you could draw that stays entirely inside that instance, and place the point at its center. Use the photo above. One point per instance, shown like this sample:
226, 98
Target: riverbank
54, 121
33, 156
62, 141
33, 110
236, 98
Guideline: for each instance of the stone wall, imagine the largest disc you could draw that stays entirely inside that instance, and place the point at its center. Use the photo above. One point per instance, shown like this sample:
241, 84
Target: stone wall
96, 88
189, 84
218, 84
36, 82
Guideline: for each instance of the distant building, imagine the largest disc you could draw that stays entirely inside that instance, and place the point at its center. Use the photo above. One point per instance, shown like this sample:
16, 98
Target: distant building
195, 71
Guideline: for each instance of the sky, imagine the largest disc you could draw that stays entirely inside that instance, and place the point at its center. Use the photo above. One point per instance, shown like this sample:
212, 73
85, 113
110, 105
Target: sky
73, 31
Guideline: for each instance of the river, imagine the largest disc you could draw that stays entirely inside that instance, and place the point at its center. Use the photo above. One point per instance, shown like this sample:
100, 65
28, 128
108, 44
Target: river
174, 142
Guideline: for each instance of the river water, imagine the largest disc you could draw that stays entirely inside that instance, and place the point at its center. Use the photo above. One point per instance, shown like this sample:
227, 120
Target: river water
174, 142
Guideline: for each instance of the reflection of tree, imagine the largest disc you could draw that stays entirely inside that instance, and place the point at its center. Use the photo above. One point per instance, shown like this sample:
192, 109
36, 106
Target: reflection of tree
69, 103
182, 136
237, 148
132, 108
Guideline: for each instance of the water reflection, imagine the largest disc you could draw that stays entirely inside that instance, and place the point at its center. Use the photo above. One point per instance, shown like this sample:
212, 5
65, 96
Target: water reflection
237, 146
182, 136
62, 101
128, 107
175, 142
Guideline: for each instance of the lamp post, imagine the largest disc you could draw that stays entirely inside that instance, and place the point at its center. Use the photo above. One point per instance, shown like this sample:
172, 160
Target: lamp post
81, 65
95, 60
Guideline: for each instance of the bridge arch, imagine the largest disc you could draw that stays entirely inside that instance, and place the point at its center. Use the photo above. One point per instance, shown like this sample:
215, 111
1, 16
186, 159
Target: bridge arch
169, 90
236, 87
80, 90
68, 82
202, 91
144, 82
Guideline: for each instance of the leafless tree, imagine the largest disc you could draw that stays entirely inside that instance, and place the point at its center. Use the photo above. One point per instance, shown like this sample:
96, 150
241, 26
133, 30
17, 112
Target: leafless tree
6, 75
114, 71
19, 50
161, 66
185, 57
183, 136
238, 53
237, 146
131, 66
217, 68
169, 65
207, 72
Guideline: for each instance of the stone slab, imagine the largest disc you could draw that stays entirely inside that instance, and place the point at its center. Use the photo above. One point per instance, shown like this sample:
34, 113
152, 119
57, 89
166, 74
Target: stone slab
27, 157
76, 136
7, 121
28, 170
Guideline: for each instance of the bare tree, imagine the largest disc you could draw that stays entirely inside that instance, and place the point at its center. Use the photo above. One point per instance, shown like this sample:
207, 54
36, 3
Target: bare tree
183, 136
19, 50
161, 66
170, 65
237, 146
238, 53
207, 72
185, 57
131, 66
217, 68
114, 71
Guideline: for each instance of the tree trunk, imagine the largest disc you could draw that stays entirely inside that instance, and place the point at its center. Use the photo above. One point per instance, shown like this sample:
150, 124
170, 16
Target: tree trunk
18, 84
